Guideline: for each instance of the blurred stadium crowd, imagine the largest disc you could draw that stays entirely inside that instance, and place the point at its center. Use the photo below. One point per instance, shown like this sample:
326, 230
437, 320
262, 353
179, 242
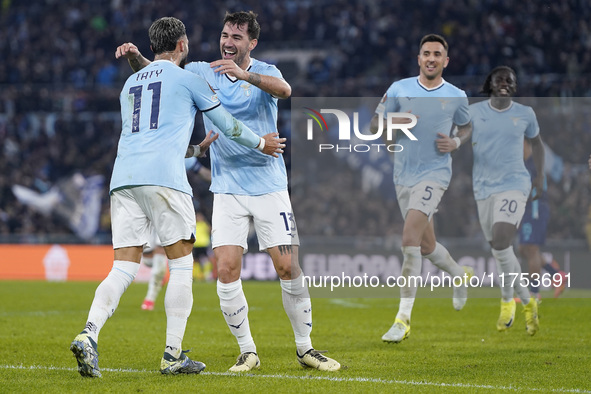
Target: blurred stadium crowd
60, 82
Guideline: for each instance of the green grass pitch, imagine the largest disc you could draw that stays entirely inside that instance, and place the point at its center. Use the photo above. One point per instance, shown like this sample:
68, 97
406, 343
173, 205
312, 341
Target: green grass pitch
447, 351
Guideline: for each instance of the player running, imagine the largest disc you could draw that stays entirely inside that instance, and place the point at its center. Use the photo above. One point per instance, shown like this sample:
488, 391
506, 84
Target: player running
502, 184
422, 171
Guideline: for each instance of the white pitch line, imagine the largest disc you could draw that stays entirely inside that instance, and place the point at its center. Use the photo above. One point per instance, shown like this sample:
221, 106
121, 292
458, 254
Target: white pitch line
346, 304
326, 378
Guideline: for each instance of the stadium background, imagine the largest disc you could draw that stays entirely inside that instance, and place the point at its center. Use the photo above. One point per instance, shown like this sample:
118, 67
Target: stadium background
60, 120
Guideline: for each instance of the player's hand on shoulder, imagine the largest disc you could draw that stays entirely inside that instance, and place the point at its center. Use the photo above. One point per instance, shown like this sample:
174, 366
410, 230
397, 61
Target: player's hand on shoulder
445, 143
273, 144
226, 66
127, 50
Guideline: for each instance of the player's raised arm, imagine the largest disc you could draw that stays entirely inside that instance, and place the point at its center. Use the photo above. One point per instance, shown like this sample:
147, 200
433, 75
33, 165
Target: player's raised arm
277, 87
129, 51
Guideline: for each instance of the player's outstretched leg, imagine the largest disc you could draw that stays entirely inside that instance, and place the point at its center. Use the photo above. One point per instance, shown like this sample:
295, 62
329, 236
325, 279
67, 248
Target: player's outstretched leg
298, 307
441, 258
235, 310
411, 267
105, 302
178, 302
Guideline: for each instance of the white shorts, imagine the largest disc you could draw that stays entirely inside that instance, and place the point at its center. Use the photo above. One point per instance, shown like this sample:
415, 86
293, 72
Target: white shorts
424, 196
272, 215
506, 207
153, 243
136, 210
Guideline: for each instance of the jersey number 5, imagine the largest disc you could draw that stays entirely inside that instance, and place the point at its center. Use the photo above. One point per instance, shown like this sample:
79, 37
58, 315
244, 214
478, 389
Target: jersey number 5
156, 88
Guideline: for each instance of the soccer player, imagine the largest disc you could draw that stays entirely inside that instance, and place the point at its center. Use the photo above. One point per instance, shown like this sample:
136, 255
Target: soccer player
502, 184
532, 232
422, 171
149, 188
250, 188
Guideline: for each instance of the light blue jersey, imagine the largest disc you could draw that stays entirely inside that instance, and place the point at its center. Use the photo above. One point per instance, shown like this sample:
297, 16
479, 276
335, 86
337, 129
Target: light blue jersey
232, 170
158, 107
497, 141
437, 110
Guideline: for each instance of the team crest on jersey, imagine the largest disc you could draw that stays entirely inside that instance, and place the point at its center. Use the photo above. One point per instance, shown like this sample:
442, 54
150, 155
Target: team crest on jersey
246, 89
515, 120
443, 103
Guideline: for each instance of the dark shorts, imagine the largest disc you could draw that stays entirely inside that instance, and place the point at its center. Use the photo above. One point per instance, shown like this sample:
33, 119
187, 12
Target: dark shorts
533, 230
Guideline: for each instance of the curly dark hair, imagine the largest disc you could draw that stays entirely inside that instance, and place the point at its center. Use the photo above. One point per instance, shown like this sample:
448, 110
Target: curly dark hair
486, 89
165, 33
242, 17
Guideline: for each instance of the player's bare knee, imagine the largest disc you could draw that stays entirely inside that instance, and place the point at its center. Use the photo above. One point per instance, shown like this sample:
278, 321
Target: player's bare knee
411, 240
284, 272
285, 261
500, 244
427, 248
227, 273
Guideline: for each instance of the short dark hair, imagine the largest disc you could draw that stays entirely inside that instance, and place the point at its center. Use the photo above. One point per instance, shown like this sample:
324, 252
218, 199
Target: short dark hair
434, 38
486, 89
242, 17
165, 33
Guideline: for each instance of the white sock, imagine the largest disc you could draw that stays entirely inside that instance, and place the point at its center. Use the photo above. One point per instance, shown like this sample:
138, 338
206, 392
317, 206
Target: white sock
178, 302
508, 264
441, 258
235, 309
298, 306
411, 266
521, 290
108, 294
156, 276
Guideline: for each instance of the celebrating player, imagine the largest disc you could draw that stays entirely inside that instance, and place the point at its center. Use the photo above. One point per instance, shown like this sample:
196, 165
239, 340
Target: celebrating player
502, 184
149, 187
422, 171
252, 187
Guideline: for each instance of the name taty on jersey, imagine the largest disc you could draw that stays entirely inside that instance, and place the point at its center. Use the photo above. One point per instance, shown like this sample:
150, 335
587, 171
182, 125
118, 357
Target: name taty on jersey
148, 74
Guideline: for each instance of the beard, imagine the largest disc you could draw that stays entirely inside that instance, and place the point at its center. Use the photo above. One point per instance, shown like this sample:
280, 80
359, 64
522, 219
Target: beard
183, 62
